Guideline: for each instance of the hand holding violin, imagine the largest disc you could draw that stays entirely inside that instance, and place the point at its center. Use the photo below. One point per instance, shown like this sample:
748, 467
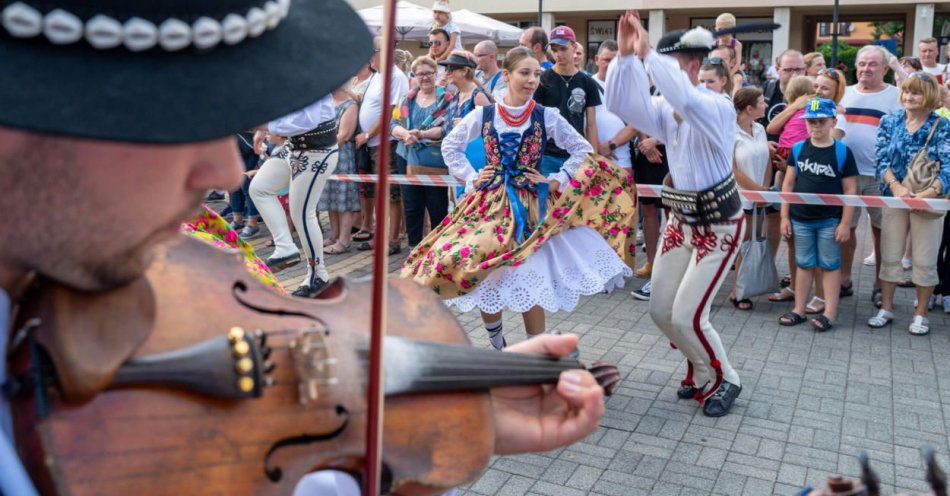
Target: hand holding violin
545, 417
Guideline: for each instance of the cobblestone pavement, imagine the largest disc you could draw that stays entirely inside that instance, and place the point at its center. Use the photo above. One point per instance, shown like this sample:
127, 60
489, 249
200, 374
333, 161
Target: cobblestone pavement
809, 401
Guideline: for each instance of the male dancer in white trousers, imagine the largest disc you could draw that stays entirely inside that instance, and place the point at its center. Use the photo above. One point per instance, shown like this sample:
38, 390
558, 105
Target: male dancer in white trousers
703, 234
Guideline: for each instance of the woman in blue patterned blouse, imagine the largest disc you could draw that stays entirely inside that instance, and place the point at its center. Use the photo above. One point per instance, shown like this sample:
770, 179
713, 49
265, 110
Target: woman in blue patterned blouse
900, 136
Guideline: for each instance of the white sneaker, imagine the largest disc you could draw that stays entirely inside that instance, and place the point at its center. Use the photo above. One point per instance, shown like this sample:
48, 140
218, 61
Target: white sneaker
869, 260
642, 294
919, 326
946, 304
906, 263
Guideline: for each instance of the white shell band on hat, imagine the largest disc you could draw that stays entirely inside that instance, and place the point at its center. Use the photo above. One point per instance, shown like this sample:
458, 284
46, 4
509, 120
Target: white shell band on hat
136, 34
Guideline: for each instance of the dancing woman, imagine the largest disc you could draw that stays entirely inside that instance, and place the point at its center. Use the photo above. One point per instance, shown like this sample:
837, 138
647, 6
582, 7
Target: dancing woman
521, 241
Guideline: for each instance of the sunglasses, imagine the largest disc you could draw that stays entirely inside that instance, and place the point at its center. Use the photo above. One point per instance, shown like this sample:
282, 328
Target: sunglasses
714, 61
923, 76
829, 72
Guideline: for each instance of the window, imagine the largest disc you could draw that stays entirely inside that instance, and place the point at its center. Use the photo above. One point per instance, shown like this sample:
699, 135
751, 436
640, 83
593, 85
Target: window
825, 28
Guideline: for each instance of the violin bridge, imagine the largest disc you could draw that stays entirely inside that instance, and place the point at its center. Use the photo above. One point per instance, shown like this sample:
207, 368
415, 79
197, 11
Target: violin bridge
314, 366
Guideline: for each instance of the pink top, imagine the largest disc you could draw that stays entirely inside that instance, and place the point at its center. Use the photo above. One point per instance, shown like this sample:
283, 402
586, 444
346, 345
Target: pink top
794, 131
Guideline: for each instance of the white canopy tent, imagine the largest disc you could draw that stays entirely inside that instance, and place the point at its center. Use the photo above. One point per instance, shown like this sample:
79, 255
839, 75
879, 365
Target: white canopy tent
499, 32
413, 23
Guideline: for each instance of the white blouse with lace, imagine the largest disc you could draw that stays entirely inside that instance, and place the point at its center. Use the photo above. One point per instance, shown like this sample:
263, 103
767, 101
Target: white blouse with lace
470, 128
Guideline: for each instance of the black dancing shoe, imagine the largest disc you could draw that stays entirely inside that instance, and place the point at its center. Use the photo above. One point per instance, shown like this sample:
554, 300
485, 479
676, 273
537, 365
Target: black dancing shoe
310, 290
687, 391
721, 401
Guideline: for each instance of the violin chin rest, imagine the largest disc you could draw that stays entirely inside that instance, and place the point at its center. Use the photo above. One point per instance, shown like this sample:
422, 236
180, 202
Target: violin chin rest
80, 338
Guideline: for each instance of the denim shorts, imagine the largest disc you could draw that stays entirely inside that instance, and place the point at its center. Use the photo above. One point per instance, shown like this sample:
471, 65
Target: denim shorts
815, 244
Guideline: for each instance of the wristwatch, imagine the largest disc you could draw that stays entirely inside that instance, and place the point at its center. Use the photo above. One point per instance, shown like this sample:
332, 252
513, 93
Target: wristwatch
612, 145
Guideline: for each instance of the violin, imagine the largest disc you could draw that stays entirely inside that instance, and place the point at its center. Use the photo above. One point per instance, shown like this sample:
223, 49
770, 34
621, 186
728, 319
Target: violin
199, 379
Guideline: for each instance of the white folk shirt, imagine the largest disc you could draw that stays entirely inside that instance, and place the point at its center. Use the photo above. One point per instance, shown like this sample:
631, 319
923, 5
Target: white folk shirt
371, 108
608, 125
305, 119
470, 128
700, 146
752, 155
13, 478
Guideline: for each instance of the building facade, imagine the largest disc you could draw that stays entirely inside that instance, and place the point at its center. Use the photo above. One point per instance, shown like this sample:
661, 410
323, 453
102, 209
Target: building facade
805, 23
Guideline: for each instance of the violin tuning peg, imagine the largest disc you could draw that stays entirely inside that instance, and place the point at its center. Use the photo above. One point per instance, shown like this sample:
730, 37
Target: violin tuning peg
607, 375
265, 352
269, 367
261, 337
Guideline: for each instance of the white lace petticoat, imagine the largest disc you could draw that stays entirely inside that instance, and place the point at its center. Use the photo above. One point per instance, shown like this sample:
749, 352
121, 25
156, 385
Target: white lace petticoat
574, 263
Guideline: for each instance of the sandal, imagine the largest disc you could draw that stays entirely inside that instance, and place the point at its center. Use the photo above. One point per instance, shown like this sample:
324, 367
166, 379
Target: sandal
329, 241
846, 290
395, 249
812, 306
336, 249
821, 323
744, 304
791, 319
364, 246
786, 294
362, 235
877, 298
919, 326
785, 282
880, 320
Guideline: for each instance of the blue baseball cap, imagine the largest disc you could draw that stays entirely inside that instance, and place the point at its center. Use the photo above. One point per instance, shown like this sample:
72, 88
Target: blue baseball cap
820, 108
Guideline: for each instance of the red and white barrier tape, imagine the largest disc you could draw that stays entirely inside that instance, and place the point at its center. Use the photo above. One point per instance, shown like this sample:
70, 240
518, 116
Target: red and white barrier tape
653, 191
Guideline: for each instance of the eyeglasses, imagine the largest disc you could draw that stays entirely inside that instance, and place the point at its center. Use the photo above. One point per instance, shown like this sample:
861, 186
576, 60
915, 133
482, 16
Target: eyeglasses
792, 70
829, 72
714, 61
425, 74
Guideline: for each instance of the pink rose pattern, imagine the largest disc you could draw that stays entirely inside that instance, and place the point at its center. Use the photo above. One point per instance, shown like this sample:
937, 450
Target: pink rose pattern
479, 235
214, 230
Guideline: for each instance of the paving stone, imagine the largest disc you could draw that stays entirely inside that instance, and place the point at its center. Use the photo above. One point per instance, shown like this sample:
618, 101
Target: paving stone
809, 401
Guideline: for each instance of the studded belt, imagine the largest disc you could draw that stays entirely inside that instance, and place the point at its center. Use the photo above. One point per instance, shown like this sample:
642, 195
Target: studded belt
319, 138
710, 206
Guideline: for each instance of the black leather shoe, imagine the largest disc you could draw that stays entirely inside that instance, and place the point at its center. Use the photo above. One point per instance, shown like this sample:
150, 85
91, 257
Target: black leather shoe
310, 290
721, 401
687, 392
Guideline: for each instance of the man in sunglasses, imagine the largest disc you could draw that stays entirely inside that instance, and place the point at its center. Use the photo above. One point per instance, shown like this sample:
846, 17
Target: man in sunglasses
439, 50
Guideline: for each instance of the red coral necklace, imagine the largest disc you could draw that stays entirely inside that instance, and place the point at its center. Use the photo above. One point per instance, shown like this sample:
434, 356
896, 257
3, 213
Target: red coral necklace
516, 120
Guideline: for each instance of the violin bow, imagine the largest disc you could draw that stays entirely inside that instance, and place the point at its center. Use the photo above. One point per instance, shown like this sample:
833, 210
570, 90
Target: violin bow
374, 403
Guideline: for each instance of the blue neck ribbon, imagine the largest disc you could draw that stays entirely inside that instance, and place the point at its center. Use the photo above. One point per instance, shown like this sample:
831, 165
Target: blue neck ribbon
513, 178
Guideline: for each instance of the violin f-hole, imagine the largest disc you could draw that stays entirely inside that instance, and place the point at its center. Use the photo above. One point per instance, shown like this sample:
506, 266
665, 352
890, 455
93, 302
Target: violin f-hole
274, 474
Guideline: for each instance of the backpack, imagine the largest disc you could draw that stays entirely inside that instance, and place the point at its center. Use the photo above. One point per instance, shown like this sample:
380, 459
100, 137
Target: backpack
841, 153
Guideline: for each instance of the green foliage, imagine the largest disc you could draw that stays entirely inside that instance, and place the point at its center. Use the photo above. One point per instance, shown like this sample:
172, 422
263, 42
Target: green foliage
886, 28
846, 54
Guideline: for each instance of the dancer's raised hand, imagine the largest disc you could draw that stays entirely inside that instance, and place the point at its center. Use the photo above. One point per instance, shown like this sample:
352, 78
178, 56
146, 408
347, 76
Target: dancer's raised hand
631, 37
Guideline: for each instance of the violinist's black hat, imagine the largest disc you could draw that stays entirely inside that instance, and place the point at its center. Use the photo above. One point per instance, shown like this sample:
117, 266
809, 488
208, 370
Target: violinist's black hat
170, 71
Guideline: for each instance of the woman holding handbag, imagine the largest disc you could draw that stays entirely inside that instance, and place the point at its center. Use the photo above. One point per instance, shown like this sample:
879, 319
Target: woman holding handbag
913, 161
419, 125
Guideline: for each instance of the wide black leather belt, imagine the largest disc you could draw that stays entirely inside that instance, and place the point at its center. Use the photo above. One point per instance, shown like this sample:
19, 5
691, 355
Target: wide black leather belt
321, 137
710, 206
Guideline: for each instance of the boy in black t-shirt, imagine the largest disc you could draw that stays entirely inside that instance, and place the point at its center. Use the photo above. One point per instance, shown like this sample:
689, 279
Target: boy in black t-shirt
572, 91
819, 164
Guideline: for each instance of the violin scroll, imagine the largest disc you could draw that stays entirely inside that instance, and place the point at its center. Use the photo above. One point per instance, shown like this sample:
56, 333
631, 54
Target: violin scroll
607, 375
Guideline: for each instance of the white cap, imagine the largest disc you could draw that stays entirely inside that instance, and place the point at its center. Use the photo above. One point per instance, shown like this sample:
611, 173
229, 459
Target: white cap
440, 6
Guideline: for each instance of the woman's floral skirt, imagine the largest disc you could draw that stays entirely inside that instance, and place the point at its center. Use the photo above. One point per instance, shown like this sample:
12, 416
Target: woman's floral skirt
479, 236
